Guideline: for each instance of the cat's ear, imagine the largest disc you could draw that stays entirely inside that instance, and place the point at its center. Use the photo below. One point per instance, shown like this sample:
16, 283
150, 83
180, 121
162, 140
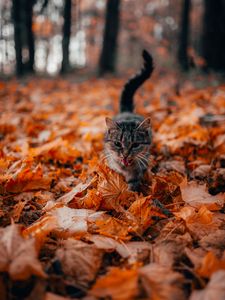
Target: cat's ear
146, 124
111, 124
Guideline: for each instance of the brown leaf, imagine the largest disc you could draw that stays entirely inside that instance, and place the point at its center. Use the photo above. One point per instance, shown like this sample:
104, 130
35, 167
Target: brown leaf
114, 191
215, 289
113, 227
214, 242
168, 252
197, 195
80, 260
210, 264
65, 221
161, 283
117, 284
145, 210
27, 180
18, 256
134, 251
80, 188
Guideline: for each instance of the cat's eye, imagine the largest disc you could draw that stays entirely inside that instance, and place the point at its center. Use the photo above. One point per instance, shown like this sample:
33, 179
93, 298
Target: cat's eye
118, 144
135, 145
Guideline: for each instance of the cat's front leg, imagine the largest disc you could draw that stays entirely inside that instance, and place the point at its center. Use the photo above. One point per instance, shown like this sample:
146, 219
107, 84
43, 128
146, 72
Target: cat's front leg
134, 182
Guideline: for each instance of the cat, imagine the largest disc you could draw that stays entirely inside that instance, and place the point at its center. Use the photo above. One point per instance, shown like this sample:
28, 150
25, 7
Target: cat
128, 137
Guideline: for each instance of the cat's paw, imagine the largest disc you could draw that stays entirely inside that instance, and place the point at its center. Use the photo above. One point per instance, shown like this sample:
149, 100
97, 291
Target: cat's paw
134, 186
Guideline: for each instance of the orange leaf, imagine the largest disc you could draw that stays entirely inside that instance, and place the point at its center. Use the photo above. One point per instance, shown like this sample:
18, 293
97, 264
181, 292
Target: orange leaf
117, 284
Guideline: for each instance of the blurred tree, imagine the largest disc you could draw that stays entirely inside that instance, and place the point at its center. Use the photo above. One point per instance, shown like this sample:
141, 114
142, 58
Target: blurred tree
184, 36
22, 13
213, 38
66, 32
29, 34
109, 48
16, 16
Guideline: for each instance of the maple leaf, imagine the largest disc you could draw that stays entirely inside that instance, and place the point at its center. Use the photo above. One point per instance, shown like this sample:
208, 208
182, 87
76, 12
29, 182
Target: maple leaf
80, 261
215, 289
210, 264
161, 283
197, 195
214, 242
26, 179
65, 221
118, 284
200, 222
115, 228
168, 252
79, 189
145, 211
18, 256
114, 191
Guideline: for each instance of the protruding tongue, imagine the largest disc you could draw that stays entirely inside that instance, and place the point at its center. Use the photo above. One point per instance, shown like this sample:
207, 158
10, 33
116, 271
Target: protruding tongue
126, 162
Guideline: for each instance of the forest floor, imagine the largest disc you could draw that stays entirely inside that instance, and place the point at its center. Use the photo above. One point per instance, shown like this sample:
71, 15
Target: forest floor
71, 229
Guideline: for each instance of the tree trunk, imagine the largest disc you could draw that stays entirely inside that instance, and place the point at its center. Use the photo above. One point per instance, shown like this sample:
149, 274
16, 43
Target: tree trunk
66, 36
109, 48
17, 22
184, 36
29, 35
213, 38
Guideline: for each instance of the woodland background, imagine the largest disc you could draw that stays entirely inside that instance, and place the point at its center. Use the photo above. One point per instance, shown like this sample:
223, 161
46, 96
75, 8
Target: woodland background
69, 226
48, 37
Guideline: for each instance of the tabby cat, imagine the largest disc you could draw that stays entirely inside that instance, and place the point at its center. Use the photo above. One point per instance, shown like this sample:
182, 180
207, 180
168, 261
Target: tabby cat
128, 136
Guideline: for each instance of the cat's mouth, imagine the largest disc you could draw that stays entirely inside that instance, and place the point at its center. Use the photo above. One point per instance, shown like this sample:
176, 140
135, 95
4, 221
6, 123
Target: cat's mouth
126, 161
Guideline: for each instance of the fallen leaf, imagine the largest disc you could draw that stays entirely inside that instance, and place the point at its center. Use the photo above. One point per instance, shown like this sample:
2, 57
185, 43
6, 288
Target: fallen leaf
215, 289
80, 188
117, 284
114, 192
161, 283
80, 261
210, 264
197, 195
65, 221
18, 256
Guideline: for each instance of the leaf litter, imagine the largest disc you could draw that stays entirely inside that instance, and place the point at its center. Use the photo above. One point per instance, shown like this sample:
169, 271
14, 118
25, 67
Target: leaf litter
71, 229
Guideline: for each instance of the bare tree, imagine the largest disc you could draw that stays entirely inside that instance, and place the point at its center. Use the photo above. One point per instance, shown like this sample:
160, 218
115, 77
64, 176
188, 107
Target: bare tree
16, 16
29, 34
109, 48
22, 13
66, 32
213, 38
184, 35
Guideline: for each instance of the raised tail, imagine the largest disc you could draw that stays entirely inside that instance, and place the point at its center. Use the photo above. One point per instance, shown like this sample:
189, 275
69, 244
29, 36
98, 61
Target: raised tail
126, 99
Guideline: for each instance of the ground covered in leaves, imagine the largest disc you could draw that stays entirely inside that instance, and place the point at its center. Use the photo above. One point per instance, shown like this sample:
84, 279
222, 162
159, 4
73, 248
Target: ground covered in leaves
70, 228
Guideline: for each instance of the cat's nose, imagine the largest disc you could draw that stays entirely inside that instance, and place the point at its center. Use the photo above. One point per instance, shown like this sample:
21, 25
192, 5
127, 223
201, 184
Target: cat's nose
125, 154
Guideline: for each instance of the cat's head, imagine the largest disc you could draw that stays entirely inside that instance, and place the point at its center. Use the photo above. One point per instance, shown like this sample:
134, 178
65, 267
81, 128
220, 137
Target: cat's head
128, 141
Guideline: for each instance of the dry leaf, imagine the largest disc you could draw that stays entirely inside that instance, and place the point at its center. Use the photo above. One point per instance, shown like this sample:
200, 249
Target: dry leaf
161, 283
18, 256
80, 261
197, 195
215, 289
65, 221
117, 284
210, 264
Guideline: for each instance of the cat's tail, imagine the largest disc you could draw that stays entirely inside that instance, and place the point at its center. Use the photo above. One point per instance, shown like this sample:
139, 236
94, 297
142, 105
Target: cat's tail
126, 99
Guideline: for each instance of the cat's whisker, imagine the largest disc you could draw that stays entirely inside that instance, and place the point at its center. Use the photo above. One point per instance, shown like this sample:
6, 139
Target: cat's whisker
144, 164
144, 158
139, 166
105, 157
